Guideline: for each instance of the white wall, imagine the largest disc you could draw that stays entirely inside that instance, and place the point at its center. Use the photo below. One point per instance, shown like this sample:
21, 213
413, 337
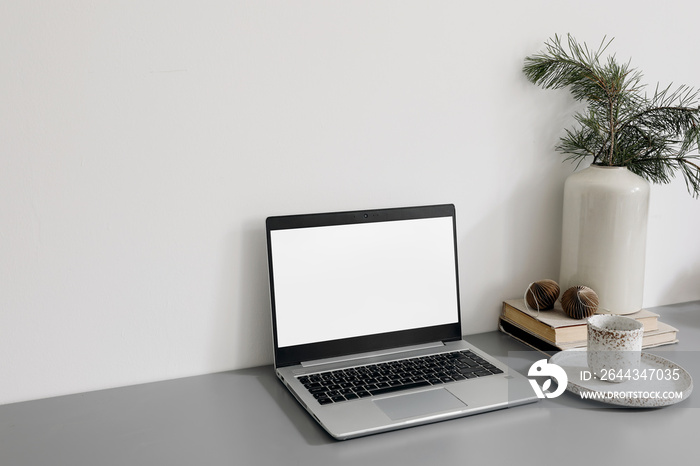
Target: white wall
142, 144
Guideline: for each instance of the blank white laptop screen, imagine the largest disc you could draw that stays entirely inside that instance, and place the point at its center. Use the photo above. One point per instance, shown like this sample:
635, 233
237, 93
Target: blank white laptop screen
343, 281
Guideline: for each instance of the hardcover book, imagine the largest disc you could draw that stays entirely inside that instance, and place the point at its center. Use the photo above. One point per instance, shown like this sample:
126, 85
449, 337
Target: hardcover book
552, 331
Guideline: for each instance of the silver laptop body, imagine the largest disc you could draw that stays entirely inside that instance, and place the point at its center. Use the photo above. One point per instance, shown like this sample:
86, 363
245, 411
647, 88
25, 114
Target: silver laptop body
372, 289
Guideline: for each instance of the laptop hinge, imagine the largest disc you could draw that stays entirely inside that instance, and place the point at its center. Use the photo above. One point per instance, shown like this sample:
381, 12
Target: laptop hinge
372, 354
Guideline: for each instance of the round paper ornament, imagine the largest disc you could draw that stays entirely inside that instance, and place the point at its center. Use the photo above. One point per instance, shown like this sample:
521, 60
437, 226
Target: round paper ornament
579, 302
542, 294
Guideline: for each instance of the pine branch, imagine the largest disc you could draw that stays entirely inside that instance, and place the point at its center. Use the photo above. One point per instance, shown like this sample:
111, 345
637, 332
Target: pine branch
654, 137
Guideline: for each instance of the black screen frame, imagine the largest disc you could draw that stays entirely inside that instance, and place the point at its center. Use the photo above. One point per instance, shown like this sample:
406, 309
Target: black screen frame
293, 355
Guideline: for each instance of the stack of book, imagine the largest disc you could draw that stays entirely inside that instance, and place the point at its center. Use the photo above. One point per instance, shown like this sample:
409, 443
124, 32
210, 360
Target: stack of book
552, 330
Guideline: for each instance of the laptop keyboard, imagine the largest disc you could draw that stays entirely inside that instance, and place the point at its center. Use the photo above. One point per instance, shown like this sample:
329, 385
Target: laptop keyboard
378, 379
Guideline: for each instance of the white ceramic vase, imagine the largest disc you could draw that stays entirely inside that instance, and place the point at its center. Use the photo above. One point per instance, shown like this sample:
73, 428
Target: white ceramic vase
604, 236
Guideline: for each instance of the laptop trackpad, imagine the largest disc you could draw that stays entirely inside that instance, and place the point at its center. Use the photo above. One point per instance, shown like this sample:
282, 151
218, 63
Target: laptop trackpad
419, 404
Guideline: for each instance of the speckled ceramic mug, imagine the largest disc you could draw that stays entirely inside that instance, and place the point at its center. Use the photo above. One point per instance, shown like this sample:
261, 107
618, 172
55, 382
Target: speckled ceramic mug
614, 346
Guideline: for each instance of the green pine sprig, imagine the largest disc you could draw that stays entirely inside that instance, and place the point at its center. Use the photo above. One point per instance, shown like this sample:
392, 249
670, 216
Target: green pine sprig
654, 137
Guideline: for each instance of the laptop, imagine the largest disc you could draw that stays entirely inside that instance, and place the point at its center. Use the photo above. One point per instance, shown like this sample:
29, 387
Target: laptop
366, 321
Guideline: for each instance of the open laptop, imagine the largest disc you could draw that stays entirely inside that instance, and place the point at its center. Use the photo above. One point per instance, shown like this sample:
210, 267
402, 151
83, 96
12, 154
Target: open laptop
366, 321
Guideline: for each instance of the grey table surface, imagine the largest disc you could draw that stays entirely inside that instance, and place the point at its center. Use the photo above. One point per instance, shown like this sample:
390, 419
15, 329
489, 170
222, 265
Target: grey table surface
247, 417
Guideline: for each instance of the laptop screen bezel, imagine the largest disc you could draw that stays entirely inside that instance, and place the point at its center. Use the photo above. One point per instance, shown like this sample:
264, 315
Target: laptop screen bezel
293, 355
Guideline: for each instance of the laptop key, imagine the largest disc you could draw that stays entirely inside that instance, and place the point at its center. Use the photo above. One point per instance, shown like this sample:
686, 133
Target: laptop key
382, 391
